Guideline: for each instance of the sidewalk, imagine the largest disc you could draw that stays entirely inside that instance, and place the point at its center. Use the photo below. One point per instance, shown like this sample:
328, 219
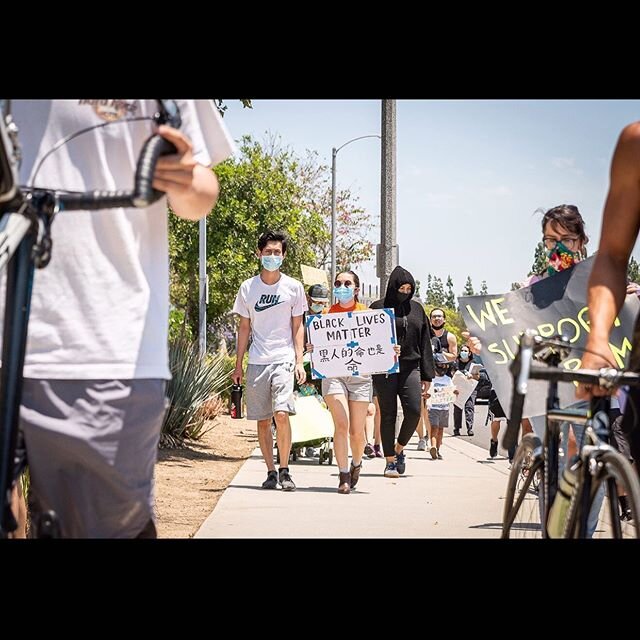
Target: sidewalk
461, 496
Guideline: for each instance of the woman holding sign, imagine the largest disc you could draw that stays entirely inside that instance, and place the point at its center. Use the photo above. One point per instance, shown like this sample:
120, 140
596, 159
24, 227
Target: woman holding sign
412, 382
347, 397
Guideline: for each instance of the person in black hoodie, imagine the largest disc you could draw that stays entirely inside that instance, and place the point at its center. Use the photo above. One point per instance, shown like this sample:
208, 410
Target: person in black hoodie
412, 382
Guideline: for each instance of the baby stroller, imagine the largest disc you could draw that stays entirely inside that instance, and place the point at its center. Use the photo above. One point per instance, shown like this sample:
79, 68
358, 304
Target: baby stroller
312, 425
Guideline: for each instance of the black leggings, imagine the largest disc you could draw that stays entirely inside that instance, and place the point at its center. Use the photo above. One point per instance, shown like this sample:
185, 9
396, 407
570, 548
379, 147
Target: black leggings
407, 386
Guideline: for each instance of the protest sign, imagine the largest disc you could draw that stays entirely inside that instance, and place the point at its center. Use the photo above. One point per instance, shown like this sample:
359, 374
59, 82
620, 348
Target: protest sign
556, 305
352, 343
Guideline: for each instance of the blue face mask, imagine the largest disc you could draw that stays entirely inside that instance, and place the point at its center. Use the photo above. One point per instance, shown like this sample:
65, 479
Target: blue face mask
271, 263
343, 294
464, 355
316, 307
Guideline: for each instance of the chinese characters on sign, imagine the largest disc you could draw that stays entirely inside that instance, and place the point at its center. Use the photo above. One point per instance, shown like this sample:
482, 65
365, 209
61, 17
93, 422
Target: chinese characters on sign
352, 343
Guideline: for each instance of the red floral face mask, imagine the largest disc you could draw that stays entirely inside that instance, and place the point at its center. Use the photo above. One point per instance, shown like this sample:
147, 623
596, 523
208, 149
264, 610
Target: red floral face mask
561, 258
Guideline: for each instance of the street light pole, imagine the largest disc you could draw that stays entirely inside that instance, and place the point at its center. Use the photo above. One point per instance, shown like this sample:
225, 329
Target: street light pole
203, 288
334, 223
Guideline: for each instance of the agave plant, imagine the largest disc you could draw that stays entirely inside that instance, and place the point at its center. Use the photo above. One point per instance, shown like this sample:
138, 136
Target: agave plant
195, 379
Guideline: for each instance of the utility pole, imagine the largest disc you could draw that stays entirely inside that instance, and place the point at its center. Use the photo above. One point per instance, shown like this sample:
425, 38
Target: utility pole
387, 250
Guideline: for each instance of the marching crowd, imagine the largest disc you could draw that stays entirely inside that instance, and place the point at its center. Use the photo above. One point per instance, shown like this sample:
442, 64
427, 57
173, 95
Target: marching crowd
93, 395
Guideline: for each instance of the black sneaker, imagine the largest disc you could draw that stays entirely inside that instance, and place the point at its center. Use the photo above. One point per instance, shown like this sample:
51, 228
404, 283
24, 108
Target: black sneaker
272, 480
469, 432
401, 464
493, 449
456, 432
285, 480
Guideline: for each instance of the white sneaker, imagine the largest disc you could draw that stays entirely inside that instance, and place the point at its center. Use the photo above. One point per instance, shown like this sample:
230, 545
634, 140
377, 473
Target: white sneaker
422, 444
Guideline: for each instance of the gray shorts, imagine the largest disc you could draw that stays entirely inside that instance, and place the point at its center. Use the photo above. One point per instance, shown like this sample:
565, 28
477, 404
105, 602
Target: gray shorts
92, 446
269, 389
439, 418
357, 388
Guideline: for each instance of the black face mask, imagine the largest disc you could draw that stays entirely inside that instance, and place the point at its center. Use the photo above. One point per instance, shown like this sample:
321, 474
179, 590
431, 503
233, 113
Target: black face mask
437, 327
402, 297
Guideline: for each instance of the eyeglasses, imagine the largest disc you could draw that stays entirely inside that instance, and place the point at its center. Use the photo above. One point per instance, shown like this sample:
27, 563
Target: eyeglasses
342, 283
568, 241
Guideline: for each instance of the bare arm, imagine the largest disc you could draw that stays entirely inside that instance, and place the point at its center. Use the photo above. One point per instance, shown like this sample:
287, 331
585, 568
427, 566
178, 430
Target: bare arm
452, 341
244, 329
297, 328
620, 225
192, 188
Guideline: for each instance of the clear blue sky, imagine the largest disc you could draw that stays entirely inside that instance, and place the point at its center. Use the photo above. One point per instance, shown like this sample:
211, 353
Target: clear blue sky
470, 173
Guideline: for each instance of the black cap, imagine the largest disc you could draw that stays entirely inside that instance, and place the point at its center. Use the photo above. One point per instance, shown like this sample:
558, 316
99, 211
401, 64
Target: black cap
318, 293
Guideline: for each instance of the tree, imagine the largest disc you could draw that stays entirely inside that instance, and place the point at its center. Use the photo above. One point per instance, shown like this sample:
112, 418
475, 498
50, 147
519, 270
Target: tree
354, 223
450, 299
263, 187
540, 260
428, 294
483, 289
633, 270
222, 107
435, 291
468, 288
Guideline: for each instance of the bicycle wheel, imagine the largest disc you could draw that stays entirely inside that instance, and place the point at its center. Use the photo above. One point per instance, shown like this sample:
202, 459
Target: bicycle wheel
619, 478
524, 501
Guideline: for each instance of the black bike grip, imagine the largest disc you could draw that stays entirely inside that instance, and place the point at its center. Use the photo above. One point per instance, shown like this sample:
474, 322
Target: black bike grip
143, 192
94, 200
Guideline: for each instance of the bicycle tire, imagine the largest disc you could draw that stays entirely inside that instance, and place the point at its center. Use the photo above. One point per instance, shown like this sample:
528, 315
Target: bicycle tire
523, 504
616, 473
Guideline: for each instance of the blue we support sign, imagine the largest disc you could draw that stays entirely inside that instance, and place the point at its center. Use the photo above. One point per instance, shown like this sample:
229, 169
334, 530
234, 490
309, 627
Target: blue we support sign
354, 343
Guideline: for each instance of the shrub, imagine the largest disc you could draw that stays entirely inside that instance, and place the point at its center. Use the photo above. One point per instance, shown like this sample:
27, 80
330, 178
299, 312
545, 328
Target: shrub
195, 381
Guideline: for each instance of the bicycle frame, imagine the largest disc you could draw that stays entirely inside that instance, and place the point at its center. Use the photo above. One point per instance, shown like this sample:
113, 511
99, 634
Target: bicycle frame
593, 457
25, 243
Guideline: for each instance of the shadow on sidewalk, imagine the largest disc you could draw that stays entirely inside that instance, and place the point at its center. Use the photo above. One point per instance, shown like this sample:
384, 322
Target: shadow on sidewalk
298, 489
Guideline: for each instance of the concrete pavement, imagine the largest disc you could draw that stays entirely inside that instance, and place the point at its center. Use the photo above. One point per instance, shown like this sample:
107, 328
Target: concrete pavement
461, 496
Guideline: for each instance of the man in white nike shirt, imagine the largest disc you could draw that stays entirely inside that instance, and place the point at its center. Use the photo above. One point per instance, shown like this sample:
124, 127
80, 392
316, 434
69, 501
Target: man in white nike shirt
271, 306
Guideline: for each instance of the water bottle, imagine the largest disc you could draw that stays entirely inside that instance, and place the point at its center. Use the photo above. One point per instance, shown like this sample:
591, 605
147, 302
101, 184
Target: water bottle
235, 409
560, 507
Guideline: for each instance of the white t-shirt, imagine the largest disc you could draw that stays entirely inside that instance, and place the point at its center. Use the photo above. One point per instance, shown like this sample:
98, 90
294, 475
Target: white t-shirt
100, 308
270, 308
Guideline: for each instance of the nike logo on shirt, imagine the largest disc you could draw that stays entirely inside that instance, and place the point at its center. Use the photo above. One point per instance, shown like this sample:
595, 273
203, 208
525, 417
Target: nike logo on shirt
259, 307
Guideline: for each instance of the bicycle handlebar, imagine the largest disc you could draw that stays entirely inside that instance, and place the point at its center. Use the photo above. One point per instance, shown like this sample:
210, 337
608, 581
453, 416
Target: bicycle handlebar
143, 194
554, 351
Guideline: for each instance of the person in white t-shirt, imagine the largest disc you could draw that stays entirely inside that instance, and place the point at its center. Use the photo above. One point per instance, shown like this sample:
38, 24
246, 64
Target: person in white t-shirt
97, 361
271, 307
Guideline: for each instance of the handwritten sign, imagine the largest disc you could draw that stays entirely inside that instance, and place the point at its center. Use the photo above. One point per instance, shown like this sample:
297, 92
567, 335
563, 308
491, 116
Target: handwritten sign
556, 305
354, 343
441, 395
